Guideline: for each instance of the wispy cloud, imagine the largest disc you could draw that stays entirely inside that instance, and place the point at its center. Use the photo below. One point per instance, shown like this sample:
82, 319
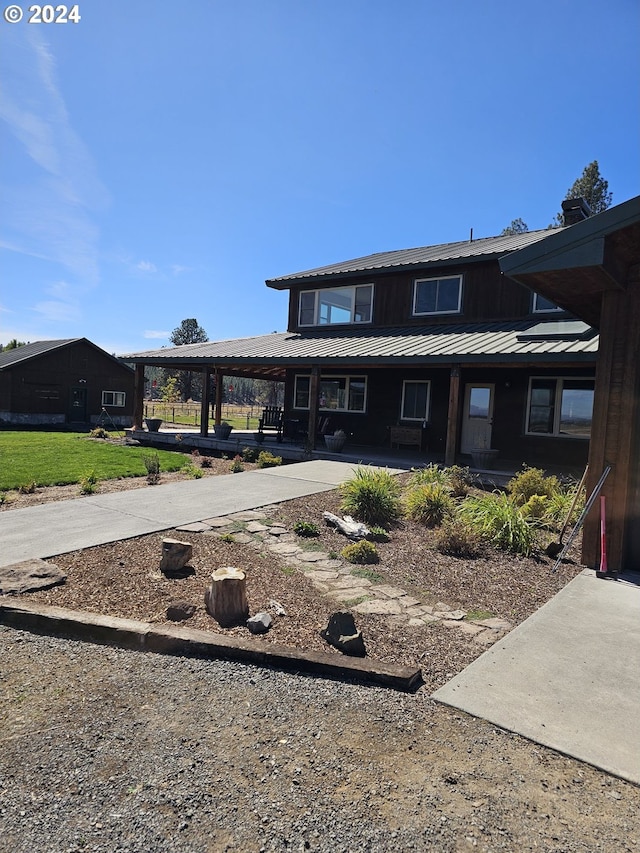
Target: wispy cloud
178, 269
146, 266
156, 335
49, 209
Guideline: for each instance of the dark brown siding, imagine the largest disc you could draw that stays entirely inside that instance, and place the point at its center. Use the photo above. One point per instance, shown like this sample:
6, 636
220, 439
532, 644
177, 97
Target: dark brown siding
486, 295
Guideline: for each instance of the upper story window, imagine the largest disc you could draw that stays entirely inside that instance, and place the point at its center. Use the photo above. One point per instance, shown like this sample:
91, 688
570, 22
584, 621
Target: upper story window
437, 295
336, 305
541, 304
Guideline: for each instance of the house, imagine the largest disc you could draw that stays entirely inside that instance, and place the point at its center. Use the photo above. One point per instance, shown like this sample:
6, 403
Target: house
65, 382
431, 348
593, 270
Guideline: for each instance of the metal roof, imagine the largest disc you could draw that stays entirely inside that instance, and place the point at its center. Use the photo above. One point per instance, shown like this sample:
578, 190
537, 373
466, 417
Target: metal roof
14, 356
465, 342
482, 249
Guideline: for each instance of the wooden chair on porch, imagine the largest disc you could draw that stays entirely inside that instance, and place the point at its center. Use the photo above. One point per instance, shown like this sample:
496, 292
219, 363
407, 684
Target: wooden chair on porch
272, 418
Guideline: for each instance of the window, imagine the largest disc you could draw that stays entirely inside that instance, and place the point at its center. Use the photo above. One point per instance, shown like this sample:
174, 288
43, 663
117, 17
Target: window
540, 304
336, 305
113, 398
337, 393
561, 407
437, 295
415, 401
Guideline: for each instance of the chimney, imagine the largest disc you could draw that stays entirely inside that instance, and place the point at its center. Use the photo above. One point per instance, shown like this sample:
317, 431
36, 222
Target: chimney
575, 210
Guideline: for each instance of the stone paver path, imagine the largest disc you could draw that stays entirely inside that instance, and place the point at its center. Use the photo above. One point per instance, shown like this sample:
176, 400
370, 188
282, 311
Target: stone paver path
346, 583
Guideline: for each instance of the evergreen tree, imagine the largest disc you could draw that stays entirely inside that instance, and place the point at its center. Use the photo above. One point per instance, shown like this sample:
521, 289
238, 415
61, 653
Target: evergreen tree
517, 226
593, 188
188, 332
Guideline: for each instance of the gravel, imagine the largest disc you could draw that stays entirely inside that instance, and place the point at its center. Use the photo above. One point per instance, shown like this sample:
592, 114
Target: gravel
112, 750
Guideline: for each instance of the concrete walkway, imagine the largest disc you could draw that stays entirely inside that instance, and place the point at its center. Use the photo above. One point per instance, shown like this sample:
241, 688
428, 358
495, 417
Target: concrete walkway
568, 677
49, 529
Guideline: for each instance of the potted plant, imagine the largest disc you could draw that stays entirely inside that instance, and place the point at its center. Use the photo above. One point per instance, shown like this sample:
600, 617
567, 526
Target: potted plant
223, 430
153, 424
335, 442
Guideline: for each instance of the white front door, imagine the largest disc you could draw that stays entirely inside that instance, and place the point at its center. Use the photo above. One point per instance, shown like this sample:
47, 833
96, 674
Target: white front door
477, 417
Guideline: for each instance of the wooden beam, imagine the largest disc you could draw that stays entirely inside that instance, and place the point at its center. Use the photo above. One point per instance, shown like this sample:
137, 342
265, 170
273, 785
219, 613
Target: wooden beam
138, 396
453, 416
218, 413
314, 405
204, 405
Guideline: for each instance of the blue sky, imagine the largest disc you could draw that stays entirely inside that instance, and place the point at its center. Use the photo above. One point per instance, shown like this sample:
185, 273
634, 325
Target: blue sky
160, 160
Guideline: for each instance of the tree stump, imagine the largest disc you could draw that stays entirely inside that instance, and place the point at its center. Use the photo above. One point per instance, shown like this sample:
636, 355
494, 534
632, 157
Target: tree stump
226, 597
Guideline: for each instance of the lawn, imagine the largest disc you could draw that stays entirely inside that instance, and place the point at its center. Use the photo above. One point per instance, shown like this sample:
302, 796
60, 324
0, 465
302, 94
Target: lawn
60, 458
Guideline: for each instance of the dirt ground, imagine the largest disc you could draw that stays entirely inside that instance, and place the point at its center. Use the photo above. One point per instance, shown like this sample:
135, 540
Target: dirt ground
573, 807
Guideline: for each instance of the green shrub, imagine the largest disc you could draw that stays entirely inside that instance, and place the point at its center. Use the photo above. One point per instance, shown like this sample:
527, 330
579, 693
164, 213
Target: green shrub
206, 462
429, 503
360, 552
500, 520
432, 473
372, 495
99, 432
190, 470
151, 462
378, 534
268, 460
459, 480
530, 482
458, 538
88, 484
237, 466
535, 507
28, 488
558, 507
305, 528
250, 454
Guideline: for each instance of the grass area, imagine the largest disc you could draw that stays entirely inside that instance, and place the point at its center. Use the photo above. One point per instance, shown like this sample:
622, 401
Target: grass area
188, 414
60, 458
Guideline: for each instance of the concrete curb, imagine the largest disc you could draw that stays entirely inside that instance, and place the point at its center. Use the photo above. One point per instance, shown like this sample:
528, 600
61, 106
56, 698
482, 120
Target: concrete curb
143, 636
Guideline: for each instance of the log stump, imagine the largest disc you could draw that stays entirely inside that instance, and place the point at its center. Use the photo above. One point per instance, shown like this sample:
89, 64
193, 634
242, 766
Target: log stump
226, 597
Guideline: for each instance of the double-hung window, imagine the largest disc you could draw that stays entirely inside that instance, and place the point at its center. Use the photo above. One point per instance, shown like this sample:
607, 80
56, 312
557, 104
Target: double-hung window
337, 305
113, 398
437, 295
337, 393
415, 400
560, 407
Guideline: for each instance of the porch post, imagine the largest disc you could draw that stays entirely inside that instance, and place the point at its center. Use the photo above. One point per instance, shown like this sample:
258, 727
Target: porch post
204, 405
452, 418
314, 404
138, 396
218, 414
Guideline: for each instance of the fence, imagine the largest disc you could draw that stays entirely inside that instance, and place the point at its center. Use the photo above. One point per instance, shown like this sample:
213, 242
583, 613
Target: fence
188, 414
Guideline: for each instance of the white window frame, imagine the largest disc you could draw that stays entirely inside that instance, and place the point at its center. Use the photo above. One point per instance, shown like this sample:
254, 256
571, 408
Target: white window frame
440, 278
117, 400
557, 407
536, 310
425, 417
347, 392
318, 301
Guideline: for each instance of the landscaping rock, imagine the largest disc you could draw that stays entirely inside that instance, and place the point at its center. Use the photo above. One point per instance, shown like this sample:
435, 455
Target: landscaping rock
341, 632
179, 611
260, 623
29, 576
175, 555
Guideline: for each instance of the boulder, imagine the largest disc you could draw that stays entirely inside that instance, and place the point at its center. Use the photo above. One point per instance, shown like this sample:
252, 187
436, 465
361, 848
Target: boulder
29, 576
260, 623
341, 632
179, 611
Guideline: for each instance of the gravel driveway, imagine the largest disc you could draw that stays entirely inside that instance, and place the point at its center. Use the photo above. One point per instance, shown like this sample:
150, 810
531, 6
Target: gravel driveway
111, 750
